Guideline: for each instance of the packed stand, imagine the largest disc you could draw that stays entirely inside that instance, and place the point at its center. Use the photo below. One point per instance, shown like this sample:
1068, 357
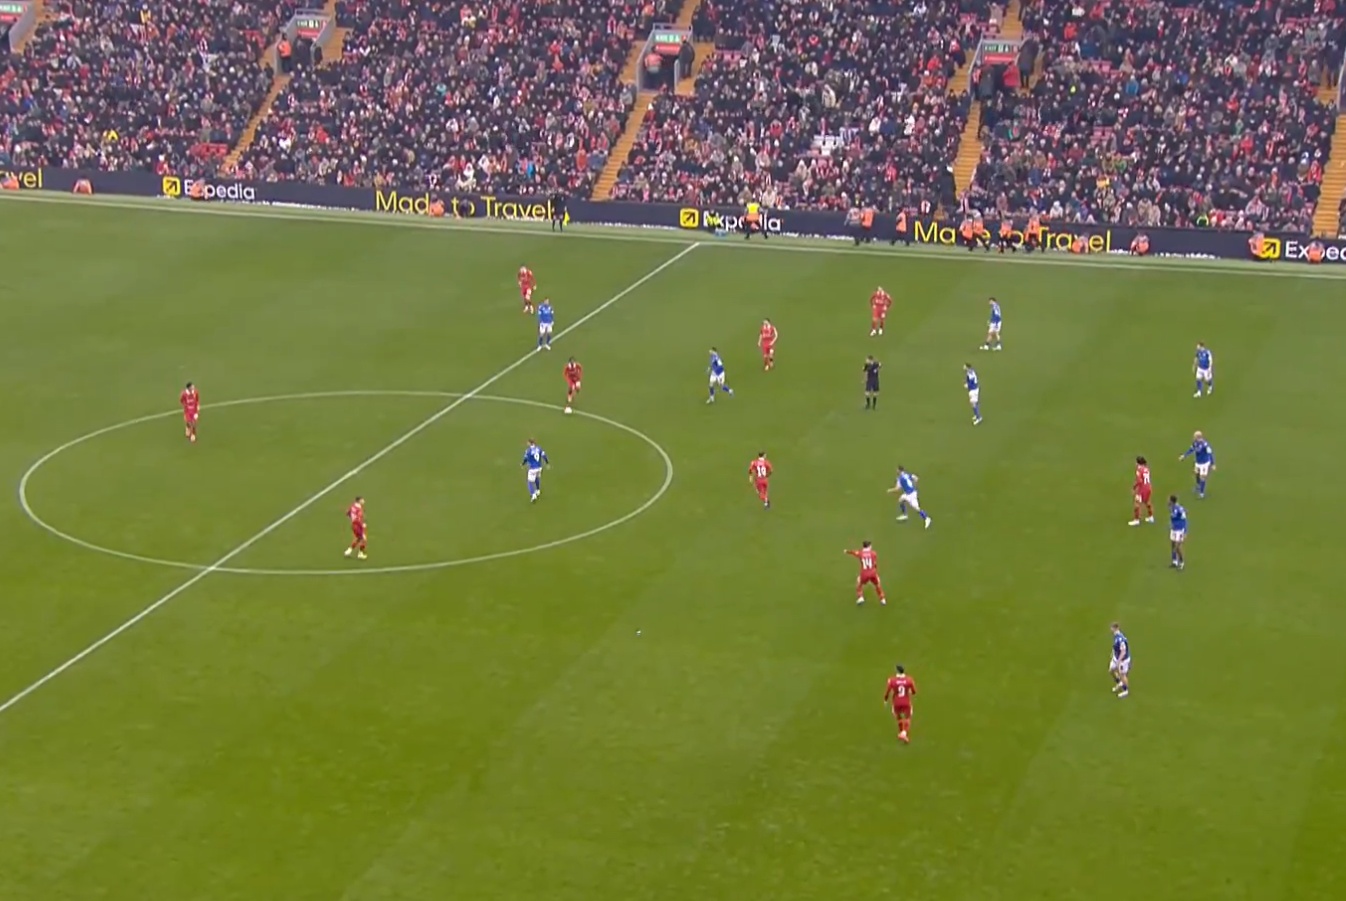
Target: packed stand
814, 103
1167, 113
522, 97
136, 84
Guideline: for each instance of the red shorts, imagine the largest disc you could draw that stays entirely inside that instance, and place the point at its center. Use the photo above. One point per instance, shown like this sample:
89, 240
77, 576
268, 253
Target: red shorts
902, 711
869, 578
526, 294
760, 485
573, 386
1144, 493
189, 418
358, 531
768, 349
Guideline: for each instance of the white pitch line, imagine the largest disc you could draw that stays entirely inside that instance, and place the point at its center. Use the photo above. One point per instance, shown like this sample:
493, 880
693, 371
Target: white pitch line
332, 486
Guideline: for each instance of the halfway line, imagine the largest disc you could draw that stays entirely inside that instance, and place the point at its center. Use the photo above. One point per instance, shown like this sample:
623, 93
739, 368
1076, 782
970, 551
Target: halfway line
332, 486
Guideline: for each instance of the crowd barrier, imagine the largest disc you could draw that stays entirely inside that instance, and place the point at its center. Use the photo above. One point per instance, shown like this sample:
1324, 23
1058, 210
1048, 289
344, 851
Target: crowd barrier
1195, 242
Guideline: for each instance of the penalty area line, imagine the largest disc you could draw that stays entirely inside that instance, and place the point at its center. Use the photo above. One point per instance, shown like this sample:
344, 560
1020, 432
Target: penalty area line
165, 600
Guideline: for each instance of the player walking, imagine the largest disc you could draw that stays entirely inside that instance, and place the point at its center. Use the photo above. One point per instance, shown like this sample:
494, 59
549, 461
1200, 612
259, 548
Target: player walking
869, 573
717, 376
191, 409
879, 304
546, 319
871, 370
767, 342
526, 285
1140, 492
1120, 666
759, 473
973, 392
1177, 532
993, 328
574, 372
359, 534
906, 489
534, 460
899, 693
1204, 367
1204, 455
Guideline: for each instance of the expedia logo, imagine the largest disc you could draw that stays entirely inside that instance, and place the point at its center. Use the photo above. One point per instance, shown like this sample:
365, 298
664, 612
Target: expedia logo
1273, 249
730, 222
199, 189
689, 217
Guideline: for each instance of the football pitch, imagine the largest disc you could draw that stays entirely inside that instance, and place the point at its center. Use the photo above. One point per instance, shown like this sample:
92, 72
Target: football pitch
645, 686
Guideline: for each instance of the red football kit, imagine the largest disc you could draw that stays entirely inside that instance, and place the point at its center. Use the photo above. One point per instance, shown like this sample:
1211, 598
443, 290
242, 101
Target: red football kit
869, 574
191, 408
356, 514
759, 470
526, 285
574, 372
767, 341
1142, 490
879, 304
899, 693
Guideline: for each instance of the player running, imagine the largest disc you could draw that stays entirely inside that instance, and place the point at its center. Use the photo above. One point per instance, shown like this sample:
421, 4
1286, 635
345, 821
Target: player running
1120, 667
906, 491
1204, 455
534, 460
869, 573
359, 534
759, 473
973, 392
899, 693
767, 342
574, 372
1204, 367
1140, 493
717, 376
546, 320
879, 304
1177, 532
191, 409
527, 282
993, 328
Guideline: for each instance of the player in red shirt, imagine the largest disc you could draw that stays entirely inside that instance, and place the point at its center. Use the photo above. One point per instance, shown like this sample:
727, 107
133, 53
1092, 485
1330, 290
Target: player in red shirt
359, 542
759, 473
573, 372
1141, 493
879, 304
191, 409
869, 572
767, 341
901, 689
526, 285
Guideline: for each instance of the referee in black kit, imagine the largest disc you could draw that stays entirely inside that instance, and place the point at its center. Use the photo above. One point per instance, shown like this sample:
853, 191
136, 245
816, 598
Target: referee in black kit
872, 367
558, 212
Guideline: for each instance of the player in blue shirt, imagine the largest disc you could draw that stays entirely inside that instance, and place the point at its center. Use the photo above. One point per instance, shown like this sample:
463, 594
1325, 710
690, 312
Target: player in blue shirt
993, 328
1204, 367
1120, 666
717, 376
1205, 461
906, 491
973, 392
546, 318
1177, 532
534, 460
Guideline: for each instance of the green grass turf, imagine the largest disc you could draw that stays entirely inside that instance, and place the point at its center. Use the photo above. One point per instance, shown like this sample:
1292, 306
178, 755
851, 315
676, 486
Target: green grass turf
502, 731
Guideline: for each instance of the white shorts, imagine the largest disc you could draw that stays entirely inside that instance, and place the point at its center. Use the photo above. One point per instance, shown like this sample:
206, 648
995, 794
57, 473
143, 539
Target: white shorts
1120, 667
1176, 537
911, 500
1202, 470
717, 378
534, 475
1204, 375
973, 395
544, 328
994, 329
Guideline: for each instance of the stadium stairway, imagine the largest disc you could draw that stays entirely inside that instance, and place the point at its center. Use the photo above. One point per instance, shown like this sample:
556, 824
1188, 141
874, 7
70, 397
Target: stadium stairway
1325, 217
1012, 25
607, 179
44, 16
969, 150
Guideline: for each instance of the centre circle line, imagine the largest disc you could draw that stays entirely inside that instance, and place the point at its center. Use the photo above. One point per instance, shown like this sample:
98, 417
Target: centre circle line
354, 570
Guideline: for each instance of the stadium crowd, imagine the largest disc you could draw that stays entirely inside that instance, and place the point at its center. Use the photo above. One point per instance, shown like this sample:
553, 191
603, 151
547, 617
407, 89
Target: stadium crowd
136, 84
1167, 112
520, 97
814, 103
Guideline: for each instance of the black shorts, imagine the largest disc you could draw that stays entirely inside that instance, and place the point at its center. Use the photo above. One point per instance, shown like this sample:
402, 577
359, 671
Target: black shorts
871, 386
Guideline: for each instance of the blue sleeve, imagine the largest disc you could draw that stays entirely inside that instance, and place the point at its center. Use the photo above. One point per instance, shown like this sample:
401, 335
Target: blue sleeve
1187, 453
